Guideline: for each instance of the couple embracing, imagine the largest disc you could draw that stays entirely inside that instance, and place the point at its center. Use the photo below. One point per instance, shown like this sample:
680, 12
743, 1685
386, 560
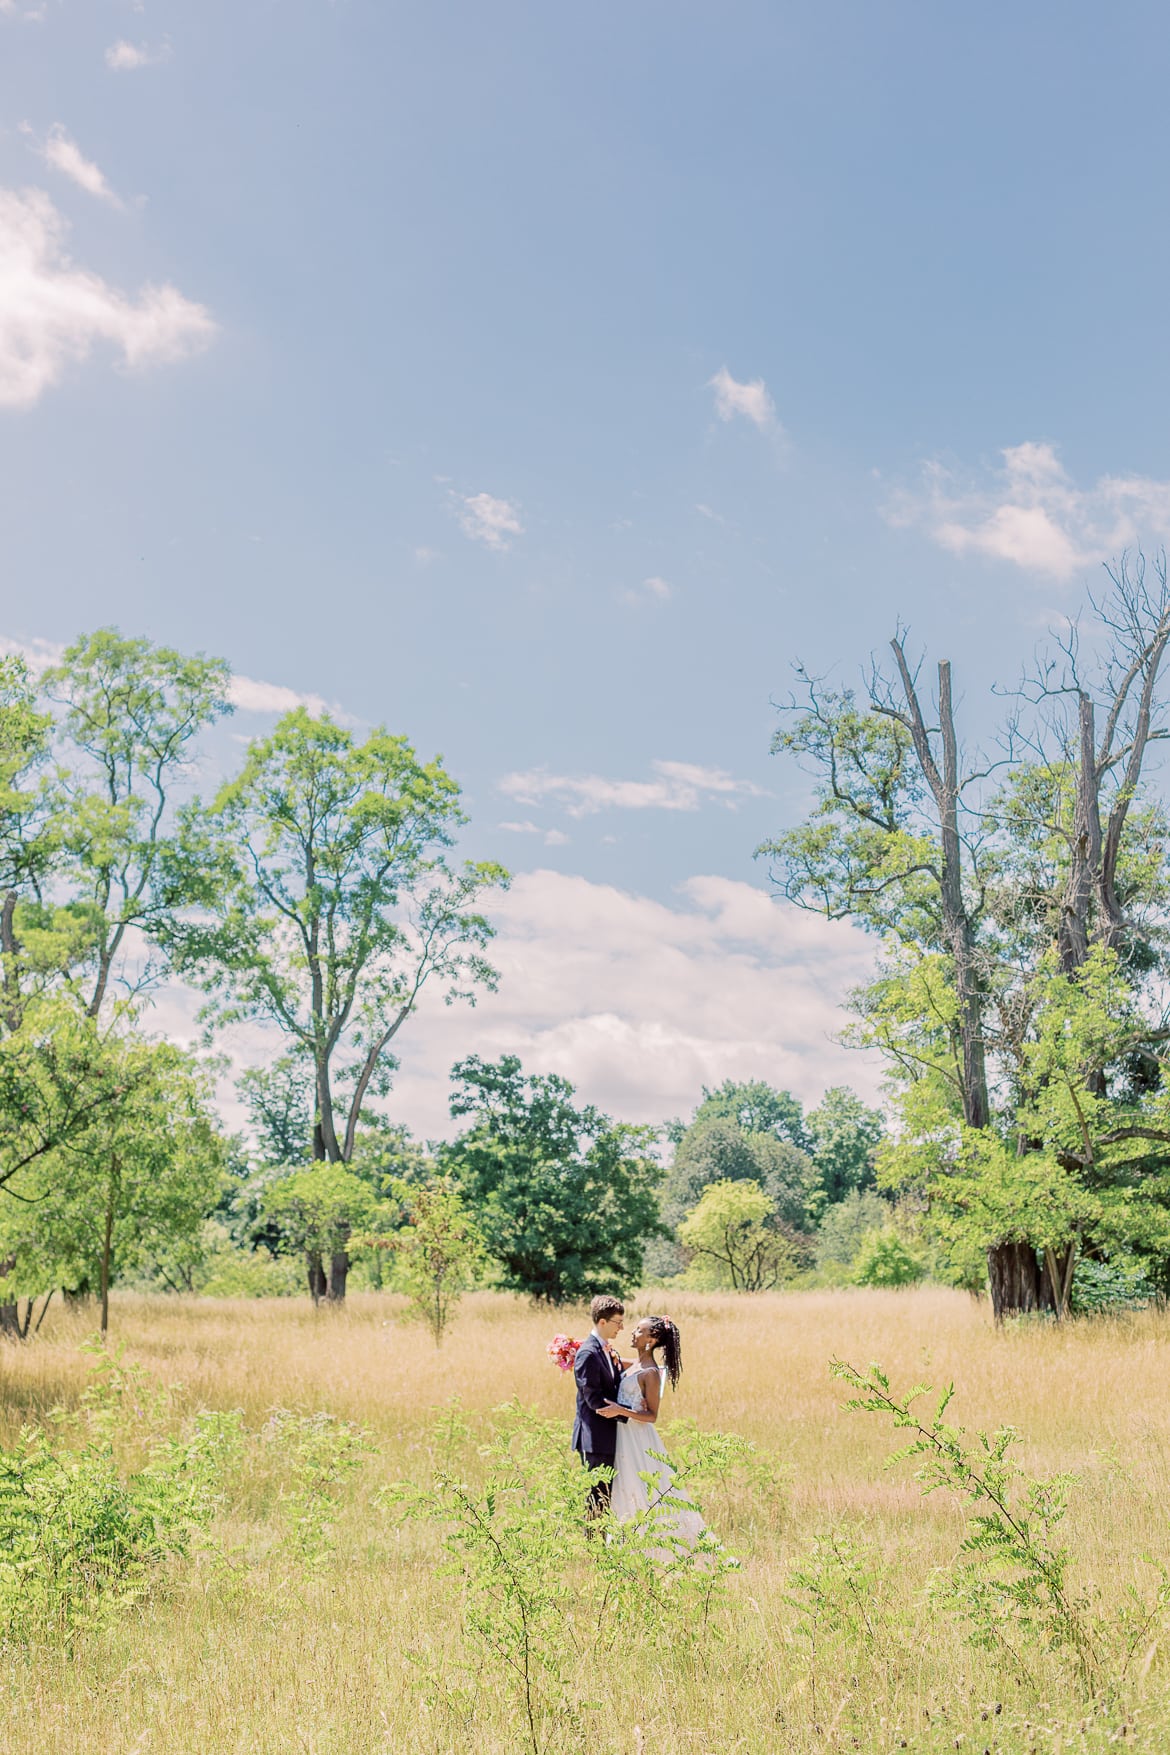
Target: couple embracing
617, 1406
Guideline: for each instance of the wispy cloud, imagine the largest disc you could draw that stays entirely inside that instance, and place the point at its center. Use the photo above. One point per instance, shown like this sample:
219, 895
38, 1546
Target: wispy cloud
678, 786
62, 152
124, 57
654, 590
488, 520
1028, 511
550, 837
52, 313
750, 399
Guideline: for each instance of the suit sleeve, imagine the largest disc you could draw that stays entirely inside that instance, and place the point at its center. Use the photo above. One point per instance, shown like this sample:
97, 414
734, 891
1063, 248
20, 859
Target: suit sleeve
588, 1372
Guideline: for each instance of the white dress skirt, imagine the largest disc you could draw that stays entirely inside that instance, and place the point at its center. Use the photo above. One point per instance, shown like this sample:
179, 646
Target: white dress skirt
631, 1494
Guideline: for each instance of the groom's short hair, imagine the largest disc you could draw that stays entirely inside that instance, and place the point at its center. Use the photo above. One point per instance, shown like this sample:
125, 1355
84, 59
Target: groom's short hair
605, 1306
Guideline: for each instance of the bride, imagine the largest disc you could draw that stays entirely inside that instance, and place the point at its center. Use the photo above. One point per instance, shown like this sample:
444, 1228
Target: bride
639, 1398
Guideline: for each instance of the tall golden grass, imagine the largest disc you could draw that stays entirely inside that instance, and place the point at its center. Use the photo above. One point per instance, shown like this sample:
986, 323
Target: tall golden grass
259, 1658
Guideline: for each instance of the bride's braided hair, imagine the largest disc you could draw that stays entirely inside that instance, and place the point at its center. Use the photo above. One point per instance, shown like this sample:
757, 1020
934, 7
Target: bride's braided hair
666, 1336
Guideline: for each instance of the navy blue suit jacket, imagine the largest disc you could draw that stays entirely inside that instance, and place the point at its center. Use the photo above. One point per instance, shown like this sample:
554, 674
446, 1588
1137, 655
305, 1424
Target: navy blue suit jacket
595, 1434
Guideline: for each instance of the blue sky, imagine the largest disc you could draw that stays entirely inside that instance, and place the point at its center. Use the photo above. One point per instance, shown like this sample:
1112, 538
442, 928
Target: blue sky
544, 380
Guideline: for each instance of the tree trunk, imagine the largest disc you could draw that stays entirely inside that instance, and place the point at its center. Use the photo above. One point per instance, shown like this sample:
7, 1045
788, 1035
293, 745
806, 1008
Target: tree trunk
10, 1321
107, 1248
317, 1287
338, 1270
1018, 1283
1059, 1266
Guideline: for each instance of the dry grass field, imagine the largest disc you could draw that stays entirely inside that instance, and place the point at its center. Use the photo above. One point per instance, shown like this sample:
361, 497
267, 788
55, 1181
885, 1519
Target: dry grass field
261, 1656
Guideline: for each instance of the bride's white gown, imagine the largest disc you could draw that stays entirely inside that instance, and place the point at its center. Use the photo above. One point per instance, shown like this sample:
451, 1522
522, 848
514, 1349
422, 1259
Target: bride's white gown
630, 1494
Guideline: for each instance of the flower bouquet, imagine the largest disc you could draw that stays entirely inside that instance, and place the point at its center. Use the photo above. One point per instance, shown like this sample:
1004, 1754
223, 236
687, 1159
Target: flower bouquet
562, 1350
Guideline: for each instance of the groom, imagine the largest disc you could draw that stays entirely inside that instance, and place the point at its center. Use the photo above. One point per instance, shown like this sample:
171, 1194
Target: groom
598, 1371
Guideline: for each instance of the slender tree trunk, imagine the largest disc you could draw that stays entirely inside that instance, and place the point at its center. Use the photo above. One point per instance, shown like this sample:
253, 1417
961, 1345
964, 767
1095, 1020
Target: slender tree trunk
44, 1310
107, 1246
10, 1321
317, 1287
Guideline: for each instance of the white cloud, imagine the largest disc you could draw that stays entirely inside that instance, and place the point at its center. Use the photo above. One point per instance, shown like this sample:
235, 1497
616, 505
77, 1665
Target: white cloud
678, 786
1031, 513
653, 590
37, 654
705, 511
251, 696
124, 57
63, 153
750, 400
488, 520
551, 837
640, 1003
52, 313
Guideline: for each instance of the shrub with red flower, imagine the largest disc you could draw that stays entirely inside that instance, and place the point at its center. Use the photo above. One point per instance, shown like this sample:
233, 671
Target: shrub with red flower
562, 1350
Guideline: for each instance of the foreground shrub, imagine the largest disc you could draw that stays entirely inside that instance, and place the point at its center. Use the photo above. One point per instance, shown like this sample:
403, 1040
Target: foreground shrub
547, 1594
79, 1539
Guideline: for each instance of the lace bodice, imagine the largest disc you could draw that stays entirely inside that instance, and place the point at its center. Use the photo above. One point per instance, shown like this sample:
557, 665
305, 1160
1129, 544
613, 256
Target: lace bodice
629, 1393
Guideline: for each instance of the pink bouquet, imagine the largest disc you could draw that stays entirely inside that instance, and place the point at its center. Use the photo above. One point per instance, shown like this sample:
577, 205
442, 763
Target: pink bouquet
562, 1350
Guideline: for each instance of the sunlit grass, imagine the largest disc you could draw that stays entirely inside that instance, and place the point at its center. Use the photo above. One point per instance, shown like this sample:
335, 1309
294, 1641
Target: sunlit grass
258, 1656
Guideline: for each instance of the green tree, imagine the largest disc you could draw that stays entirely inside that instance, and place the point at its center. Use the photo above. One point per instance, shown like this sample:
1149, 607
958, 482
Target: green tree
129, 714
755, 1107
845, 1226
327, 904
565, 1198
319, 1212
844, 1135
970, 890
438, 1252
718, 1149
138, 1180
279, 1101
734, 1239
886, 1259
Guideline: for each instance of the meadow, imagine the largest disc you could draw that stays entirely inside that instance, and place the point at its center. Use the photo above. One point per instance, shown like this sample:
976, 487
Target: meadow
244, 1649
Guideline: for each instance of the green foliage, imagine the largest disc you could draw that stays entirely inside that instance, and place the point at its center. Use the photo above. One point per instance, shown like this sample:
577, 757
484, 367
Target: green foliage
718, 1149
320, 1212
133, 1185
327, 904
734, 1240
320, 1454
837, 1592
756, 1108
130, 712
438, 1253
844, 1135
1107, 1288
564, 1197
227, 1271
279, 1100
886, 1259
844, 1226
545, 1594
82, 1536
1011, 1583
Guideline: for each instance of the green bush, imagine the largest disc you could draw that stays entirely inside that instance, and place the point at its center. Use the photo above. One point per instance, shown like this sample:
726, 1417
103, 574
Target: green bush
78, 1539
1100, 1288
884, 1259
